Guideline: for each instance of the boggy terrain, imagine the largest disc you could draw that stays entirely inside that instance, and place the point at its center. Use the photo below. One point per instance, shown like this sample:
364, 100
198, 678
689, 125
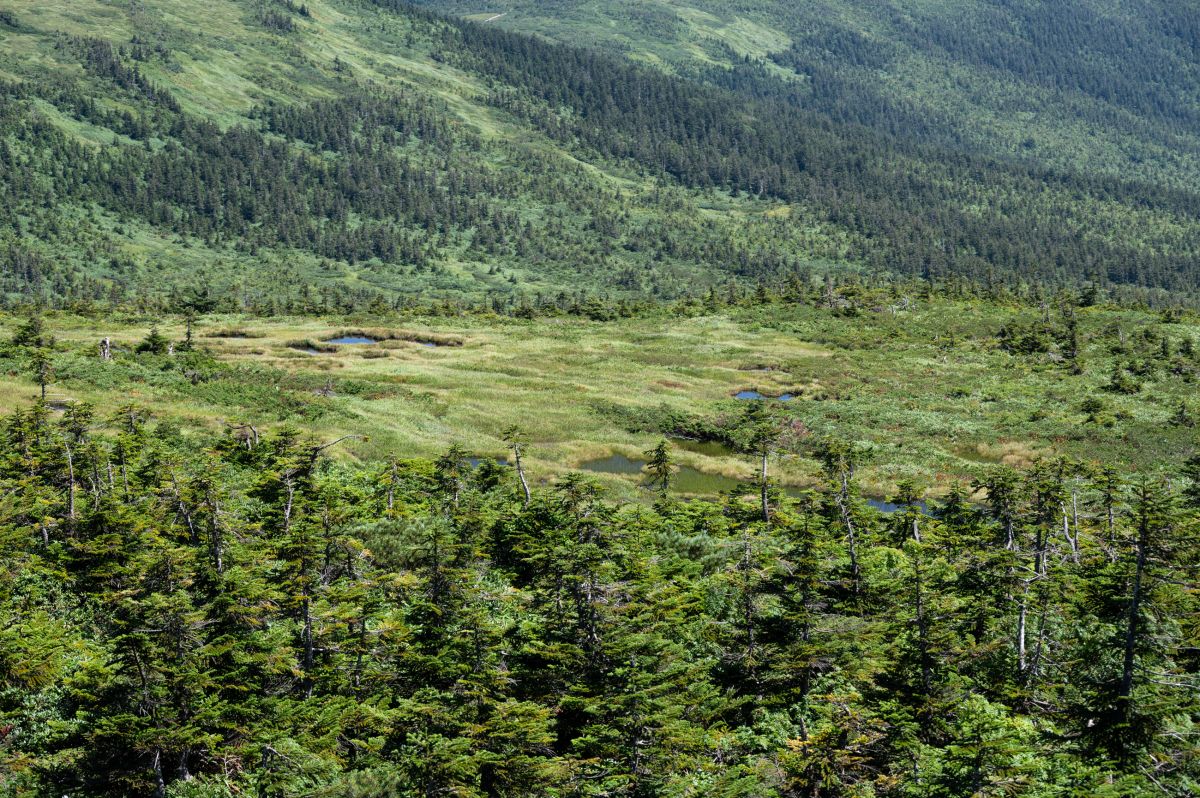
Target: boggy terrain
933, 387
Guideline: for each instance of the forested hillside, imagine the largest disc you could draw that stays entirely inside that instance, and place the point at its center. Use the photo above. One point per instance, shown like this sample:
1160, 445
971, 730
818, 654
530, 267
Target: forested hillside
367, 151
1106, 87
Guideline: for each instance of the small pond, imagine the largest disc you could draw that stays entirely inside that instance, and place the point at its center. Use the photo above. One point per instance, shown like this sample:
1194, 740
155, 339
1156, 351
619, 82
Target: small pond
690, 481
706, 448
888, 507
363, 340
478, 461
786, 397
686, 480
352, 339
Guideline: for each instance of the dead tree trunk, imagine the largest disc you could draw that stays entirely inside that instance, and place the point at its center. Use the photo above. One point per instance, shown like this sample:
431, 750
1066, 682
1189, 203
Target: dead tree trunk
763, 486
521, 472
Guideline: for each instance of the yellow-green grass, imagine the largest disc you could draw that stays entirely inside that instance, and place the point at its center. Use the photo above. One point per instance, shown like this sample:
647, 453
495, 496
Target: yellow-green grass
930, 411
543, 376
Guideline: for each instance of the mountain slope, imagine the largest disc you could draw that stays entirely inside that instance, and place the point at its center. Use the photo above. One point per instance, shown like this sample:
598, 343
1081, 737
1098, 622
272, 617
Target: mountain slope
1109, 87
388, 171
344, 152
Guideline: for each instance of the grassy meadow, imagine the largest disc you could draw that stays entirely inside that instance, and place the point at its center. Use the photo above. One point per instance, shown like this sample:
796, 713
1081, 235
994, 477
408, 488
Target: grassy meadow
929, 390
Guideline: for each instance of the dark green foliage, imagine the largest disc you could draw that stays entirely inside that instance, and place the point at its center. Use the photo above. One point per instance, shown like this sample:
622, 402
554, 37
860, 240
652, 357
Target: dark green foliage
659, 469
31, 334
742, 140
1123, 381
245, 615
1031, 340
155, 343
42, 368
665, 421
1183, 416
186, 615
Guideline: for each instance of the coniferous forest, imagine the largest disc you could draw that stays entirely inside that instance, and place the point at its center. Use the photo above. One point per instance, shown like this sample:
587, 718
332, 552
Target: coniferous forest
244, 615
599, 399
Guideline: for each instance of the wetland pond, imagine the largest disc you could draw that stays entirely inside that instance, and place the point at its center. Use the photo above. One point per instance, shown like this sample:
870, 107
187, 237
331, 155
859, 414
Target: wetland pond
362, 340
687, 480
691, 481
755, 395
351, 339
706, 448
478, 460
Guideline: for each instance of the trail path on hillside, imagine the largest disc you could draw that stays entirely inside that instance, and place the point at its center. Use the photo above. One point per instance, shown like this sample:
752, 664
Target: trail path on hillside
493, 19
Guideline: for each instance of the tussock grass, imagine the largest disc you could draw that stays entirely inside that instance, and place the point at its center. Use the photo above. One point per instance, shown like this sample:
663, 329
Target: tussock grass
235, 332
308, 343
389, 335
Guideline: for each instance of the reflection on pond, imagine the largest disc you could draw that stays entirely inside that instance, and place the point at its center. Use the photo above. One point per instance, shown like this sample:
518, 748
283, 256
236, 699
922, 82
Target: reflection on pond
352, 339
784, 397
478, 461
365, 339
888, 507
689, 481
706, 448
686, 480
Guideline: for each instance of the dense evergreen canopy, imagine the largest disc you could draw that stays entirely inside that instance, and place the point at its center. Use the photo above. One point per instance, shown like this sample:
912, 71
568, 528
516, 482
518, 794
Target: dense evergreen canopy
242, 615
